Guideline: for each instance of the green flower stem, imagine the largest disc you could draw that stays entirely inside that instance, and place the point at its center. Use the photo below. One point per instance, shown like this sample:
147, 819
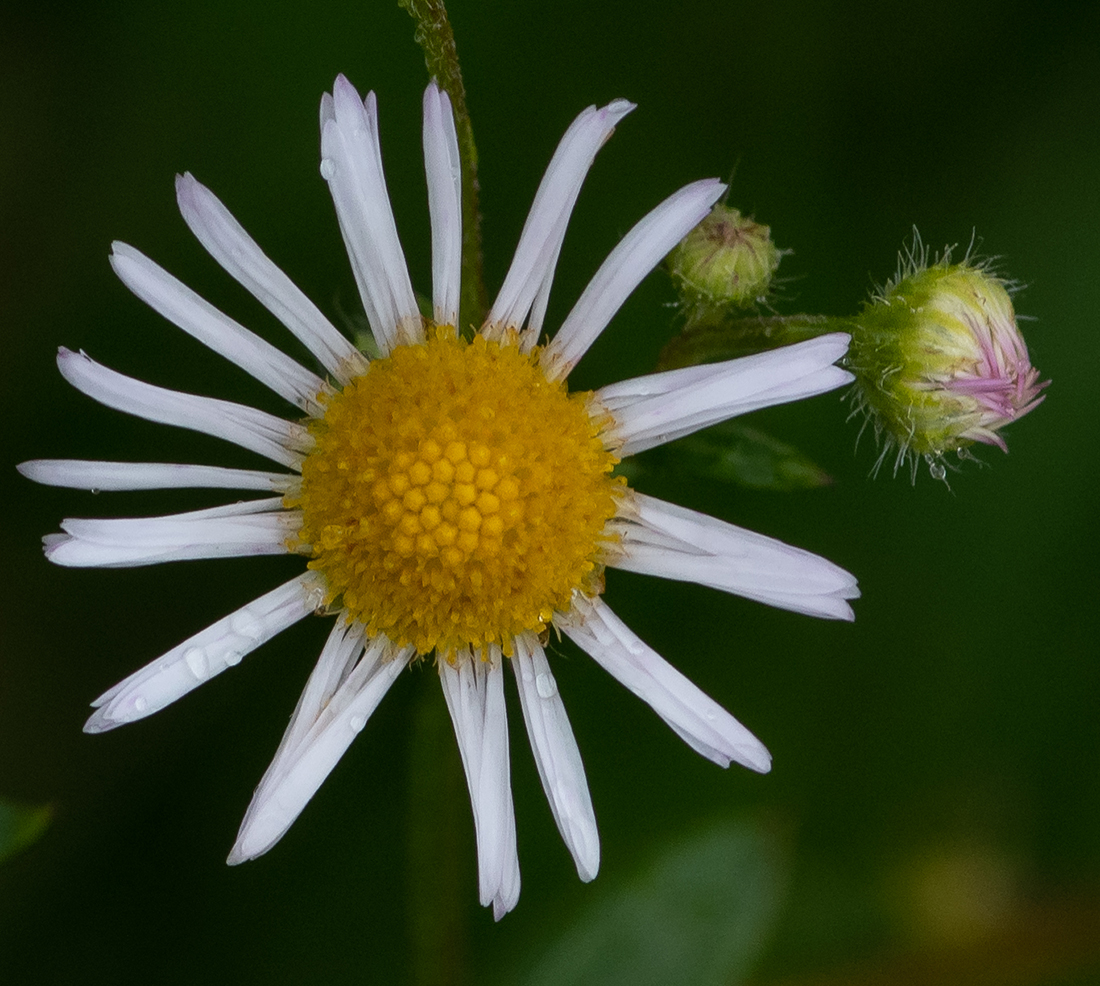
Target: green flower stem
440, 846
437, 40
732, 337
440, 831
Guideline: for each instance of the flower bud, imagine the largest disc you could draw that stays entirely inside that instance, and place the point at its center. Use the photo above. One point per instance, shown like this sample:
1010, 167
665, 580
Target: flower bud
726, 262
940, 363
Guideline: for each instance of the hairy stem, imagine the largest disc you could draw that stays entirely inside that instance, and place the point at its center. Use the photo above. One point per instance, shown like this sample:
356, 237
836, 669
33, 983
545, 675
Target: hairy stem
733, 337
437, 41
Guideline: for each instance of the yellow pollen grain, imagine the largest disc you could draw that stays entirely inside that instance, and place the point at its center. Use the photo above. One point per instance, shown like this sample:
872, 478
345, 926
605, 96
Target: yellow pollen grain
455, 497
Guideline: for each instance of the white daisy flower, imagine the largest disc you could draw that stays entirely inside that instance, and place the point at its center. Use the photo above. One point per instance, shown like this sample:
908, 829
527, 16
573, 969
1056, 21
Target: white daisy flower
451, 497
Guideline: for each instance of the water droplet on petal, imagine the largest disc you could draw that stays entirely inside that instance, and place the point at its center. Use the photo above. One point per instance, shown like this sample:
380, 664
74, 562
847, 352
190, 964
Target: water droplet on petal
233, 657
140, 703
546, 686
938, 470
94, 491
328, 168
245, 625
356, 724
195, 659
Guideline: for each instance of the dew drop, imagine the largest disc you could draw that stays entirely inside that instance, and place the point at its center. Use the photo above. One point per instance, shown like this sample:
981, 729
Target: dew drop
546, 686
232, 658
938, 470
94, 491
328, 168
140, 703
356, 724
246, 625
195, 659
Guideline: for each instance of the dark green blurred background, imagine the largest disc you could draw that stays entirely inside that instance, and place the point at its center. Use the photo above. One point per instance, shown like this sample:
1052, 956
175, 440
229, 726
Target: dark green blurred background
933, 815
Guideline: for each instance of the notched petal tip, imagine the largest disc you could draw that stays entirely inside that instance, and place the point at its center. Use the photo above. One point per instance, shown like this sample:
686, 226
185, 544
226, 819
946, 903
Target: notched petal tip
346, 98
51, 542
188, 192
99, 722
756, 758
328, 110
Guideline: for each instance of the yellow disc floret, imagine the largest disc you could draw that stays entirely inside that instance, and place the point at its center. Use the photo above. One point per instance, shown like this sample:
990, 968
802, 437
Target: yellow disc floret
456, 497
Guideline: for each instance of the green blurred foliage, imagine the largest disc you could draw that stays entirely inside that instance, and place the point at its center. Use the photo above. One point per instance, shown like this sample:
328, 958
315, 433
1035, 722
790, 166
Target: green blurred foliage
699, 913
937, 763
733, 452
21, 826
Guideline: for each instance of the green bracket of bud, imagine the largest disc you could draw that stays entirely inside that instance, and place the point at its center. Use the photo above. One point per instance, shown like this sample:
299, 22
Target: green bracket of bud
940, 363
726, 262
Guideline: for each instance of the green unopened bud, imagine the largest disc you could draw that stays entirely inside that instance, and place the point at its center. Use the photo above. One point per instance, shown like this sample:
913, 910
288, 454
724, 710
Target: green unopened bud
940, 363
726, 262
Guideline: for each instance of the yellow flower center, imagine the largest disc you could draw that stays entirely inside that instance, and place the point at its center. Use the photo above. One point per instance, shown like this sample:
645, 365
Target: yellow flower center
455, 496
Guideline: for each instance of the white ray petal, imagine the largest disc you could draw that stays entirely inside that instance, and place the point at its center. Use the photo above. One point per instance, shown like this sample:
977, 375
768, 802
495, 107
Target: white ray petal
228, 243
474, 690
126, 542
206, 654
673, 542
661, 407
238, 508
81, 474
556, 755
444, 172
272, 437
198, 318
536, 256
340, 655
351, 163
339, 698
700, 721
645, 246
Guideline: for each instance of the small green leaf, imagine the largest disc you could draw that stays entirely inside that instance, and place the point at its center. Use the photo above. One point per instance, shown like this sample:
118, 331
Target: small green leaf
20, 826
735, 453
699, 913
